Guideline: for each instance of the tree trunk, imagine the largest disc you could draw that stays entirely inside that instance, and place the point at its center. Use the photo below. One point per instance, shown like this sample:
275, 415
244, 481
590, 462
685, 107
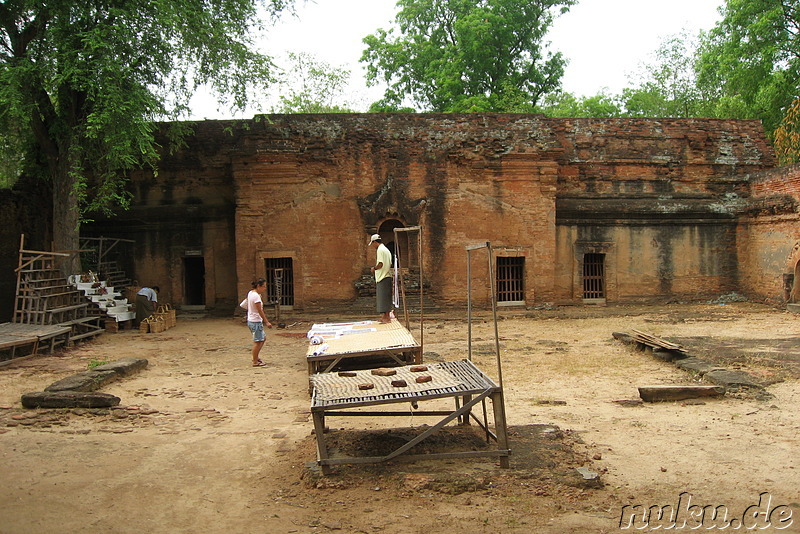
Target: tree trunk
66, 218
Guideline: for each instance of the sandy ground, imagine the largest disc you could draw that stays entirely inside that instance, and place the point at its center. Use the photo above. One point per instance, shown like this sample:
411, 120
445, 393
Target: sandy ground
203, 442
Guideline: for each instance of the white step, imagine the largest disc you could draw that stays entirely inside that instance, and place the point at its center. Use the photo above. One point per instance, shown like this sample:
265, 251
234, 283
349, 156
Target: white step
123, 315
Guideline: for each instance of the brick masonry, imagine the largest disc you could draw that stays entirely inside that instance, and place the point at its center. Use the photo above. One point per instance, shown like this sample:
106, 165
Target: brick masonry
669, 204
769, 236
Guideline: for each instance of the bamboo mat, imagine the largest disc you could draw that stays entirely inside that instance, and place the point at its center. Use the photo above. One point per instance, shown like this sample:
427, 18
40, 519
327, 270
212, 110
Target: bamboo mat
364, 337
331, 386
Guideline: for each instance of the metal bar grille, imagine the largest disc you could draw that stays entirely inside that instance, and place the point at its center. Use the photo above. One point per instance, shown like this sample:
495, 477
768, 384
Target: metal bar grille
594, 276
510, 279
280, 280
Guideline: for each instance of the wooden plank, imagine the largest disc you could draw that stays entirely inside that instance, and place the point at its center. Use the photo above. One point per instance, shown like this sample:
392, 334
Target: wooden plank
7, 342
651, 340
675, 393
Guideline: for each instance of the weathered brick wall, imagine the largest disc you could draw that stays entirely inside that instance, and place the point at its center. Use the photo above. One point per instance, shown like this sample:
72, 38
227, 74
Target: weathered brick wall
659, 197
769, 236
330, 181
186, 209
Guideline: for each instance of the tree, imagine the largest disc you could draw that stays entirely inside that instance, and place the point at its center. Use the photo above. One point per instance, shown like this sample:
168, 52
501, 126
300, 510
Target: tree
567, 105
787, 135
312, 87
467, 55
752, 58
668, 87
84, 81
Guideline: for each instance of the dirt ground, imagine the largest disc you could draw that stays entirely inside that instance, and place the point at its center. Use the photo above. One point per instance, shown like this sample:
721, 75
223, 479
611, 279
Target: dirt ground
203, 442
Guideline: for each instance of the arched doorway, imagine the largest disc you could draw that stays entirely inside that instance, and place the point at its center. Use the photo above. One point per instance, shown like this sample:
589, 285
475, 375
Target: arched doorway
386, 231
794, 295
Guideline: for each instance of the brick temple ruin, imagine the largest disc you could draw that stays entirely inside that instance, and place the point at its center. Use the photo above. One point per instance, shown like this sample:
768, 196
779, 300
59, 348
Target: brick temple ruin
577, 210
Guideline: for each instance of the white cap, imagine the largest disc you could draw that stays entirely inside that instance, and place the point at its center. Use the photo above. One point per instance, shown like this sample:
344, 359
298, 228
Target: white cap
375, 237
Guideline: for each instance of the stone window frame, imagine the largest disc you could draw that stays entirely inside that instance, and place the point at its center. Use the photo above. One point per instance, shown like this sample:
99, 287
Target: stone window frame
527, 274
296, 272
609, 249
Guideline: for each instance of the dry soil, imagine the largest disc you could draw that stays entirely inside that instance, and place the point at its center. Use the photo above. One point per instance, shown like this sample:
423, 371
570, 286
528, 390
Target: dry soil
203, 442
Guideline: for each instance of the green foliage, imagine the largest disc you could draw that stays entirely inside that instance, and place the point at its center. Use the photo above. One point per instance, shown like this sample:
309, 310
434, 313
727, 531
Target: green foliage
11, 159
96, 363
668, 87
466, 55
312, 87
751, 59
787, 136
567, 105
84, 81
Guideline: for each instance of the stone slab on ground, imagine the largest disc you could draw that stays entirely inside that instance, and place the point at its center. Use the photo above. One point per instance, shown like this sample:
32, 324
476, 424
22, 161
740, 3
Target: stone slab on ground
668, 355
623, 337
69, 399
85, 381
675, 393
124, 366
697, 365
101, 375
732, 379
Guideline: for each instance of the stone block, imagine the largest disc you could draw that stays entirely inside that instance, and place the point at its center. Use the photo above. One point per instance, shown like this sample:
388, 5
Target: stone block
85, 381
124, 366
69, 399
676, 393
697, 365
731, 379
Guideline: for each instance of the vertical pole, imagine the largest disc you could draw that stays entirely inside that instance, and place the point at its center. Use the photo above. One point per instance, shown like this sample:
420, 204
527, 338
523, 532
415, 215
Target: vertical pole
18, 301
319, 433
469, 305
494, 314
399, 273
421, 292
99, 255
498, 406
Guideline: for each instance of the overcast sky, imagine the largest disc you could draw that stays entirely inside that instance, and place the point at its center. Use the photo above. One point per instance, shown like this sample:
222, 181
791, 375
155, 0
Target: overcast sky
604, 40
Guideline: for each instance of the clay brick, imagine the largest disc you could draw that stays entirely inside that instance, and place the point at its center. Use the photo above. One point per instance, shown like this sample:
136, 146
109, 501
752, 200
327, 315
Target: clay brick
424, 378
418, 368
399, 383
384, 372
366, 386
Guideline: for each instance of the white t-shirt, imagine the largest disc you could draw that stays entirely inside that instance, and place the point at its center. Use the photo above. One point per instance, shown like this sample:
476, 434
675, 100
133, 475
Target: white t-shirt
252, 311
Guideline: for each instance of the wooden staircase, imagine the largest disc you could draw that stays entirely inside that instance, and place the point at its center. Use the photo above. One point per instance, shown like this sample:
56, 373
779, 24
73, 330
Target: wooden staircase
102, 255
45, 297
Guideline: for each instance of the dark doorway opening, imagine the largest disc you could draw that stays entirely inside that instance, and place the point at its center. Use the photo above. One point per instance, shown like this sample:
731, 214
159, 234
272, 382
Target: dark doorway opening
594, 276
194, 281
386, 232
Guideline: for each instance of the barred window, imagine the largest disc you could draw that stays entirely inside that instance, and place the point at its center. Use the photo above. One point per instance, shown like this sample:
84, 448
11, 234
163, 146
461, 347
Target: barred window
510, 279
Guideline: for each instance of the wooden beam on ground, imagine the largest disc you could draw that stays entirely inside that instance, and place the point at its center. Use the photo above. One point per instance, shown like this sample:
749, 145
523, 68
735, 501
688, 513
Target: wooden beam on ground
653, 341
675, 393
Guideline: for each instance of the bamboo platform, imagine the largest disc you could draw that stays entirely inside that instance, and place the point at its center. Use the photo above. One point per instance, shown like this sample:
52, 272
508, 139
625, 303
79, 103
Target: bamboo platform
333, 395
391, 341
17, 336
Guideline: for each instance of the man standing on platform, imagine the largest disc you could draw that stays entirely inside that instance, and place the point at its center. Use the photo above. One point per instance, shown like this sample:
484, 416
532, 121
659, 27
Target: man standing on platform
383, 282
